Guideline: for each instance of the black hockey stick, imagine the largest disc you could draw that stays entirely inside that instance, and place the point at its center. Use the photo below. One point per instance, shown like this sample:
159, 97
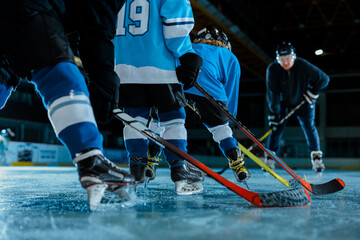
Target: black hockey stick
288, 198
317, 189
269, 131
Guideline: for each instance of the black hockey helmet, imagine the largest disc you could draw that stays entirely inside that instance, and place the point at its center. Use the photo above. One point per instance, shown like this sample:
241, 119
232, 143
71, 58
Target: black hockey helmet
213, 33
284, 48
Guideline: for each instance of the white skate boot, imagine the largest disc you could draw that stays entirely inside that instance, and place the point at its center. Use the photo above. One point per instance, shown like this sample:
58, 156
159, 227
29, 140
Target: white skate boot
317, 163
187, 180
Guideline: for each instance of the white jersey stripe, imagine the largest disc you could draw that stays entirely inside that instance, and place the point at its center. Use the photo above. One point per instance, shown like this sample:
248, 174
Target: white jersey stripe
144, 75
175, 31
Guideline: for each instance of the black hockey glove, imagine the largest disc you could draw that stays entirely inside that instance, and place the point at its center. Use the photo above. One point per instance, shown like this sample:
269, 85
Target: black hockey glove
274, 119
104, 97
310, 97
188, 71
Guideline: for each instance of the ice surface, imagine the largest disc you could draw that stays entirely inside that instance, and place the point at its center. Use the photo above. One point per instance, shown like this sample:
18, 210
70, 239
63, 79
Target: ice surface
49, 203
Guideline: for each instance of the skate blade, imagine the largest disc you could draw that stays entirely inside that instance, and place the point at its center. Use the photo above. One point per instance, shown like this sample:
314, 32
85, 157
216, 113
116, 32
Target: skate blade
246, 185
147, 182
95, 194
126, 193
184, 188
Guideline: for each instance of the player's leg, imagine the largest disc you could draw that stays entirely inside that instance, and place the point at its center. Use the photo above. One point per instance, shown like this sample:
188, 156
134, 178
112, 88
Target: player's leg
172, 115
34, 39
136, 144
217, 123
154, 150
187, 180
306, 117
65, 96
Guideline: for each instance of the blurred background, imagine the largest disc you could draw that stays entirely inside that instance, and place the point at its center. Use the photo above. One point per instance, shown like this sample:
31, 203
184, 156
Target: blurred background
254, 28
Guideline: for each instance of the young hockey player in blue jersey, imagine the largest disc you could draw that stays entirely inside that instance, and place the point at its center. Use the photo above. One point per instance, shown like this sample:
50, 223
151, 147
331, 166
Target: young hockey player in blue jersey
290, 79
220, 76
151, 37
33, 44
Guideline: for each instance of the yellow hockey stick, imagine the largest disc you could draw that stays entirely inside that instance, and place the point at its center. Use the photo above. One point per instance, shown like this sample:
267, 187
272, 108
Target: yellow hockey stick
287, 183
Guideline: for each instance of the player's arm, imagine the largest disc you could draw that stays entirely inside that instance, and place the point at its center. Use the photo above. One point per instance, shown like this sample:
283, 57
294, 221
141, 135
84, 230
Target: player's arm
232, 84
178, 21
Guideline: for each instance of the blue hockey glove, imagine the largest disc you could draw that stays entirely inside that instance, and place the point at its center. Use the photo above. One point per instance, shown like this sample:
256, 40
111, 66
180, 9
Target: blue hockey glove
310, 97
189, 70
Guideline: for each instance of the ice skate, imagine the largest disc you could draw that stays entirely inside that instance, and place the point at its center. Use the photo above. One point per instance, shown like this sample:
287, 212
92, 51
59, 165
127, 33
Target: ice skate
97, 174
270, 163
236, 163
187, 181
317, 163
153, 161
137, 168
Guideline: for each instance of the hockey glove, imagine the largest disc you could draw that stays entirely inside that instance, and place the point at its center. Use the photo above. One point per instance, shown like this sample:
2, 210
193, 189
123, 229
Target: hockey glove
310, 97
274, 121
104, 97
188, 71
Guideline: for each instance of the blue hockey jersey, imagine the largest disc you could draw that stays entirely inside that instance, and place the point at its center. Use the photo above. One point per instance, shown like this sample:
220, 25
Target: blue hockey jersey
150, 36
219, 75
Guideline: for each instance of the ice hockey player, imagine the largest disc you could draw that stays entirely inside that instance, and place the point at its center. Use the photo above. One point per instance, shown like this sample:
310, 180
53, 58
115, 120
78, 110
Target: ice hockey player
151, 37
34, 43
290, 79
91, 25
220, 76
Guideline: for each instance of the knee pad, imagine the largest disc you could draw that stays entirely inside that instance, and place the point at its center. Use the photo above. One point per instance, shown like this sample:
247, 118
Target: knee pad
55, 81
173, 124
131, 134
221, 132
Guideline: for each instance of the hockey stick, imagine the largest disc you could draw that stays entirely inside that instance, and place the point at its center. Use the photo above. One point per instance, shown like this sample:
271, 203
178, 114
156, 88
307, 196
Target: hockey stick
317, 189
270, 131
287, 183
288, 198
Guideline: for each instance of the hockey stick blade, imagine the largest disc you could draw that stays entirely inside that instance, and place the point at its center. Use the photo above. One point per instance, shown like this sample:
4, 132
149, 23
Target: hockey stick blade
288, 198
332, 186
317, 189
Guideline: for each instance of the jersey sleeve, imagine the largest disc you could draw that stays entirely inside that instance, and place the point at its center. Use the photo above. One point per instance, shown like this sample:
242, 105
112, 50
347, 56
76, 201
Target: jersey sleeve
232, 85
178, 21
318, 80
272, 90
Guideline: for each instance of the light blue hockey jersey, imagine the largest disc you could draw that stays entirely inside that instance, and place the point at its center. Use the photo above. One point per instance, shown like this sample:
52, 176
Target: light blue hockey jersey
219, 75
150, 36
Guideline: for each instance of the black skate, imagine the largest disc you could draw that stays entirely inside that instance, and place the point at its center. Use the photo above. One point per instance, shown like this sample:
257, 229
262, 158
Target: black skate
98, 174
236, 163
187, 181
137, 168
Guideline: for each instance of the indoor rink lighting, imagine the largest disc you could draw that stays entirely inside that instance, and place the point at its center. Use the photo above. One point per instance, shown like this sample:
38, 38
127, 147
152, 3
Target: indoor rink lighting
319, 52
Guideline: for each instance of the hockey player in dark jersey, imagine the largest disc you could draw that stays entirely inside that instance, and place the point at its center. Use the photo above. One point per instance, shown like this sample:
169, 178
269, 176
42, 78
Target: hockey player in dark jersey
290, 79
90, 23
33, 44
155, 35
220, 76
